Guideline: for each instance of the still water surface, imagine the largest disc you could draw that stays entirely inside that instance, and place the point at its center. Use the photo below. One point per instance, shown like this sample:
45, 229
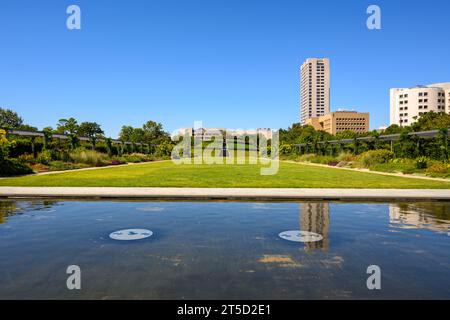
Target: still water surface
224, 250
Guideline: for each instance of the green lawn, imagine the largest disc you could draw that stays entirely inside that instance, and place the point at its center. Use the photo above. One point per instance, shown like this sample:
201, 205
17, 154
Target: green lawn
167, 174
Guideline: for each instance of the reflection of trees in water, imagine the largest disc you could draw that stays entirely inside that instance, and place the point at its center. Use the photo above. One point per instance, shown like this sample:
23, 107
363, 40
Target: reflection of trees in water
315, 217
433, 216
9, 208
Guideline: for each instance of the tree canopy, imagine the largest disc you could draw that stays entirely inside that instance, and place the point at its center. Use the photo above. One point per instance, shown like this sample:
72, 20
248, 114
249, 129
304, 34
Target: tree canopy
151, 133
90, 130
67, 126
10, 119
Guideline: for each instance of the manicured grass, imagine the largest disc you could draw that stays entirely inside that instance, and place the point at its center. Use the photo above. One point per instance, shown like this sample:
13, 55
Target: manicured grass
167, 174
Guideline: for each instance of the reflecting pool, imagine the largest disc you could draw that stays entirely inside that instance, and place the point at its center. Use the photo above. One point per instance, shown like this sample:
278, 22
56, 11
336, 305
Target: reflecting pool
224, 250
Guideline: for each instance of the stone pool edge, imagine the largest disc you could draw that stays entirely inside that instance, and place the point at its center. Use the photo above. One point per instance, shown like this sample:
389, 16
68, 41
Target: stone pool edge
262, 194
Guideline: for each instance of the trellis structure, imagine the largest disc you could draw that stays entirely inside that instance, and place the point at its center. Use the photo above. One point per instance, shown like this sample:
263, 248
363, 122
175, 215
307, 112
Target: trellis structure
386, 138
25, 133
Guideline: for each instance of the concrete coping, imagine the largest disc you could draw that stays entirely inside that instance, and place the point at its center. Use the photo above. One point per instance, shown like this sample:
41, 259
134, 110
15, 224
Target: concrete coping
259, 194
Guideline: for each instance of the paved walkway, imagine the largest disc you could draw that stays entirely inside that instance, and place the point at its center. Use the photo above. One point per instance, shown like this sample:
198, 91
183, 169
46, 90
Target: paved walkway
392, 174
225, 193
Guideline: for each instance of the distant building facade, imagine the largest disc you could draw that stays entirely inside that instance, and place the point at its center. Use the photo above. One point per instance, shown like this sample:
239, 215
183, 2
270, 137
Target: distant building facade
314, 88
339, 121
408, 104
207, 134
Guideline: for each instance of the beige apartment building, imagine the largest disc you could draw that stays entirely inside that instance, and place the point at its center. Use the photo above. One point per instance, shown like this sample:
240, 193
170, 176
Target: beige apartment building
339, 121
314, 88
408, 104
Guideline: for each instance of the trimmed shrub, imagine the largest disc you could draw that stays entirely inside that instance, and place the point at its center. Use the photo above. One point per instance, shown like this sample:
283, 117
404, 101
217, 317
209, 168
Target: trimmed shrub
27, 158
44, 157
421, 163
372, 157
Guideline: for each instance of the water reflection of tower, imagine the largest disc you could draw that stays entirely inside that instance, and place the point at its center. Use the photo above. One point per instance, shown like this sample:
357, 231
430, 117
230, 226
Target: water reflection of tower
315, 217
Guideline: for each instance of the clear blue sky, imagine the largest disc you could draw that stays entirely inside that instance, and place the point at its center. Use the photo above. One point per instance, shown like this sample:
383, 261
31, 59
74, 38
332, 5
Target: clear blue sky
229, 63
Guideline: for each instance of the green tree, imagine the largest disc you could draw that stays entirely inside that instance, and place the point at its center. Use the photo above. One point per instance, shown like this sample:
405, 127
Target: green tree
9, 119
125, 133
393, 129
153, 132
431, 121
131, 134
91, 130
27, 127
347, 134
150, 133
164, 149
67, 126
